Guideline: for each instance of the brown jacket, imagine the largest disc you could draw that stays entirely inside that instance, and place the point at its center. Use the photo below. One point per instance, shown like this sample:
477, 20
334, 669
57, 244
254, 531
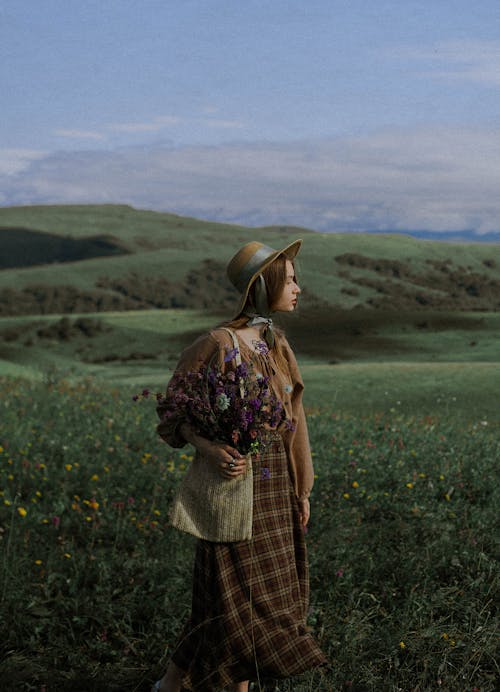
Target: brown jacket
290, 392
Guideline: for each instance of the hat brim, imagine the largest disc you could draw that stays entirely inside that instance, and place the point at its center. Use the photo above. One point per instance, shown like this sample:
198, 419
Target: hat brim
290, 250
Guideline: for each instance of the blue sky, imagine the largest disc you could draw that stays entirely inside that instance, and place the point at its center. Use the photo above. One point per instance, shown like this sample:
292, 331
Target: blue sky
336, 115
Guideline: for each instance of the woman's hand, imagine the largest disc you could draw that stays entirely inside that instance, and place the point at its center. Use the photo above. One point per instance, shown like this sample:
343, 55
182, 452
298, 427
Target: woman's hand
305, 512
228, 461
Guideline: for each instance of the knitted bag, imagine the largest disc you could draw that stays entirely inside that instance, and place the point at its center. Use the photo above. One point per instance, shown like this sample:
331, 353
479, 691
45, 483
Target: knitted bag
212, 507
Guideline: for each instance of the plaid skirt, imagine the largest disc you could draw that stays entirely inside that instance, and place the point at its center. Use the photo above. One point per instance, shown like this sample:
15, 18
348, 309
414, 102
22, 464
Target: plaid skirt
250, 598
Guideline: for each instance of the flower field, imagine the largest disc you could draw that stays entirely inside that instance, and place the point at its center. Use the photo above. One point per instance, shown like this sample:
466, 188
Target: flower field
94, 584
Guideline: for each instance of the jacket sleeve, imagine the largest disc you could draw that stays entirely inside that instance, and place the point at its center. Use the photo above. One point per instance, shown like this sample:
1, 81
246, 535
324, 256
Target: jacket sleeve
199, 353
297, 440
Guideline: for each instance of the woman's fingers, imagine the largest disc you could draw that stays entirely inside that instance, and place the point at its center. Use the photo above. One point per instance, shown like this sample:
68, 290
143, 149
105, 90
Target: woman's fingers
305, 511
229, 461
231, 466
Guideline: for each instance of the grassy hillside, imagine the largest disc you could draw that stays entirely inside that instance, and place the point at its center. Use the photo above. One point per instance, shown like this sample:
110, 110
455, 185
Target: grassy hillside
168, 254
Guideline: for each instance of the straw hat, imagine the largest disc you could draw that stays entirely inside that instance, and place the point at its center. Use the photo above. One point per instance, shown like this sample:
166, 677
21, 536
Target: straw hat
250, 261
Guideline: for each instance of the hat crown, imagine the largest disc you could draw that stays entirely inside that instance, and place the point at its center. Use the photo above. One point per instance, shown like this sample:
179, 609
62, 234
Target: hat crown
247, 261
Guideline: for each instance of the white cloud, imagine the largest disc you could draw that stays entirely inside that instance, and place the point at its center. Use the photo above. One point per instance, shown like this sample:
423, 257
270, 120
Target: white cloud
14, 161
79, 134
470, 60
224, 124
154, 125
438, 179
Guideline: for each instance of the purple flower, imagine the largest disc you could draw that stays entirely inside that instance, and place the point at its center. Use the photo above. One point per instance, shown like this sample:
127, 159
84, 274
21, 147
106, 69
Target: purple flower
231, 353
262, 348
242, 370
265, 474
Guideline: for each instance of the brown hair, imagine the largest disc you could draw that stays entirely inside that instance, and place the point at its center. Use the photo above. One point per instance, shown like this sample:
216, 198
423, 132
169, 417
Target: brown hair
275, 277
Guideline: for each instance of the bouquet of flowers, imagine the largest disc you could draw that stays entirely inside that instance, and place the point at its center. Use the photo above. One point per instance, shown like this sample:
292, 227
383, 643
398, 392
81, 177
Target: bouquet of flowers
235, 406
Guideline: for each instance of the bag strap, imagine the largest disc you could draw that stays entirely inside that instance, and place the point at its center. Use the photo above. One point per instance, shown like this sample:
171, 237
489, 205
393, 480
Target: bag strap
237, 357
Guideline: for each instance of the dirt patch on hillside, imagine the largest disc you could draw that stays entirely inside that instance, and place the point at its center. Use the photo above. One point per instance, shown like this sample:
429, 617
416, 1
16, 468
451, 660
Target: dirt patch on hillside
22, 247
444, 287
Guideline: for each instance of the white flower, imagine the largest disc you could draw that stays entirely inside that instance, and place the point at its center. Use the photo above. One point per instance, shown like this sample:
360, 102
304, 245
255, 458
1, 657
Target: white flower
222, 401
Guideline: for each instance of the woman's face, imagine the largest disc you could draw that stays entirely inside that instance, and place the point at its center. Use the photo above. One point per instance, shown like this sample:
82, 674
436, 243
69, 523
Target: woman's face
290, 293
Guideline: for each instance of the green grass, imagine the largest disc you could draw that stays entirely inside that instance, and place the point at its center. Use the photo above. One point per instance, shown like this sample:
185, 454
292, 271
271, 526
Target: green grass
403, 367
467, 391
94, 585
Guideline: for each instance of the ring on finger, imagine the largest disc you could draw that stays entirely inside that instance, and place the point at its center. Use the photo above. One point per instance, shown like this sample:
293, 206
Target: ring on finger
231, 464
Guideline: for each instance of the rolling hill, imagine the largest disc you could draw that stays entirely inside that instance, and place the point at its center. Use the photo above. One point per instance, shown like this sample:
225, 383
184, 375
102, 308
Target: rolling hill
64, 259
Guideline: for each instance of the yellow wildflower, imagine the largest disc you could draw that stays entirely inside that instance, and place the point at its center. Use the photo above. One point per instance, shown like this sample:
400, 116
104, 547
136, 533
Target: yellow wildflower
346, 496
95, 477
402, 645
67, 556
38, 562
22, 511
355, 484
68, 467
409, 485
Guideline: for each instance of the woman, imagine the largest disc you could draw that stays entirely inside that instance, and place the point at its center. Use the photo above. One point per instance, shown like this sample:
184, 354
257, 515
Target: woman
250, 597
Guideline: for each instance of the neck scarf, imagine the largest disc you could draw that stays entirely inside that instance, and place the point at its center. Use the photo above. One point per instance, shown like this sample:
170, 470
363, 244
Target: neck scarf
268, 333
